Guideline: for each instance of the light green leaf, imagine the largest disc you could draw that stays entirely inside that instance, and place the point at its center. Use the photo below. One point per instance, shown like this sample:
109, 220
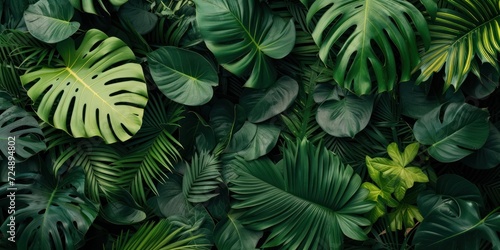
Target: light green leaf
254, 140
395, 173
184, 76
231, 235
375, 37
245, 36
261, 105
89, 6
98, 92
49, 20
404, 215
313, 204
457, 133
22, 129
346, 116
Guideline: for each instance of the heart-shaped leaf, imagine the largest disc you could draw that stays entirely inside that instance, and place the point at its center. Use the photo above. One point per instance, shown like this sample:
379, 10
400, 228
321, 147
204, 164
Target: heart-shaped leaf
264, 104
253, 141
97, 93
457, 133
184, 76
137, 12
49, 20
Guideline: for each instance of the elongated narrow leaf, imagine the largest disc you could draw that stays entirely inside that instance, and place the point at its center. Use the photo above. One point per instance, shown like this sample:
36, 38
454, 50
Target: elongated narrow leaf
245, 36
97, 93
374, 36
458, 36
49, 20
184, 76
462, 129
345, 116
18, 130
231, 235
264, 104
202, 178
312, 205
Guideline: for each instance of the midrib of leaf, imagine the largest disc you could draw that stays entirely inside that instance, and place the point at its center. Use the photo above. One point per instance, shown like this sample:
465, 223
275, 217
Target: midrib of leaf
49, 203
468, 229
80, 80
235, 228
52, 18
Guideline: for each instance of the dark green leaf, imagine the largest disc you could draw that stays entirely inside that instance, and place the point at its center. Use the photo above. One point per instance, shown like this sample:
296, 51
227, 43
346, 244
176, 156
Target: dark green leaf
184, 76
137, 12
460, 131
261, 105
253, 140
487, 156
225, 119
231, 235
49, 20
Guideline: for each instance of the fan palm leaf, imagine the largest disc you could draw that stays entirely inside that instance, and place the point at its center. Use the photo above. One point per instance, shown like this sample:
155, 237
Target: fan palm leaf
311, 205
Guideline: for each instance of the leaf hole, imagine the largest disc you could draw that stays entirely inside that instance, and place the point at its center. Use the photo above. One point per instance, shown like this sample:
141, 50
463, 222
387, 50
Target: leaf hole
94, 77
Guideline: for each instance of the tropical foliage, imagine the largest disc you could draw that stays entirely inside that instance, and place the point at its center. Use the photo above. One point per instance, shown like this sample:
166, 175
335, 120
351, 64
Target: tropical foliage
247, 124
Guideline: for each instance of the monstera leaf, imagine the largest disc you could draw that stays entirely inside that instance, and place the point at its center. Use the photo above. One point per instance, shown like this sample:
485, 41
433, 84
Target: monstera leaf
458, 36
458, 133
52, 212
245, 36
22, 129
49, 21
366, 32
97, 93
312, 205
89, 6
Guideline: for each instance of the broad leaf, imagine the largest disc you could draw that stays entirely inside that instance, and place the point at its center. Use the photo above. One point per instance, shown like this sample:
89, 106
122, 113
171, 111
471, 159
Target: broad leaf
483, 82
137, 12
97, 93
184, 76
396, 170
488, 156
456, 224
52, 212
372, 36
451, 136
231, 235
404, 215
253, 141
120, 213
170, 201
245, 36
314, 203
202, 177
345, 116
261, 105
19, 130
49, 20
225, 119
458, 36
416, 101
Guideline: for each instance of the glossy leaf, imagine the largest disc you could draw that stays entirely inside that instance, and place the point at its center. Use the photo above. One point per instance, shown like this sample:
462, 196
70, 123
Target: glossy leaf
253, 140
314, 203
458, 36
120, 213
460, 131
97, 92
245, 36
184, 76
261, 105
50, 20
488, 156
89, 6
52, 212
404, 216
230, 234
226, 119
366, 31
346, 116
22, 129
171, 200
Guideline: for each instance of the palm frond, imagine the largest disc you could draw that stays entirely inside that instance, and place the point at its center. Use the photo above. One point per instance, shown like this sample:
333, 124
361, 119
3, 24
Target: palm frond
23, 50
154, 149
10, 83
160, 235
202, 178
458, 35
